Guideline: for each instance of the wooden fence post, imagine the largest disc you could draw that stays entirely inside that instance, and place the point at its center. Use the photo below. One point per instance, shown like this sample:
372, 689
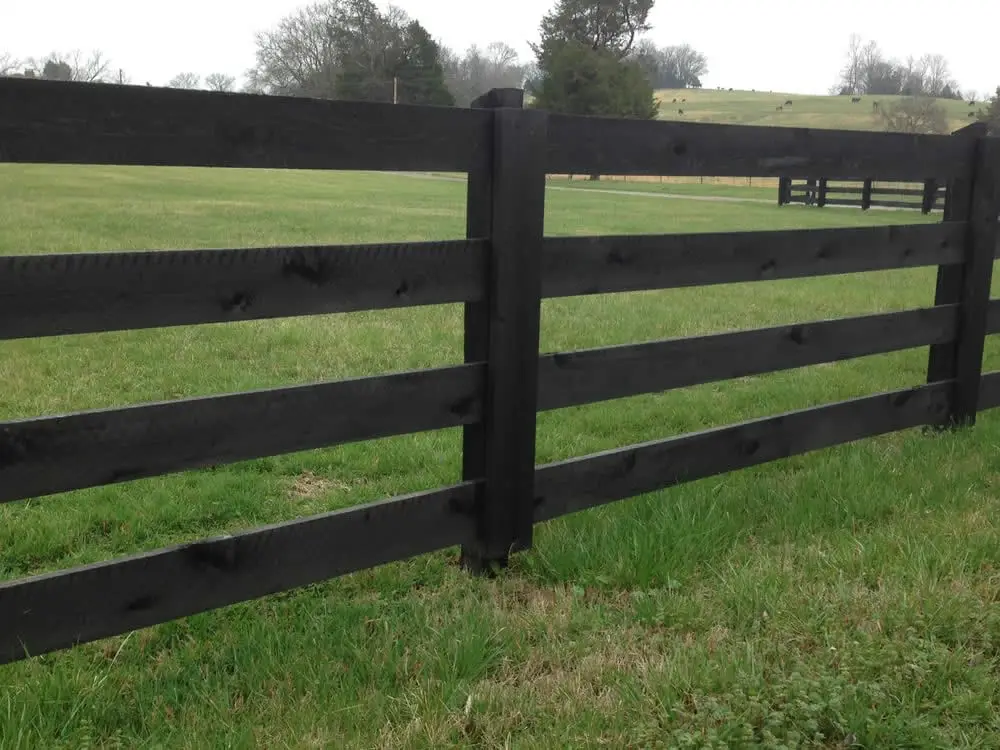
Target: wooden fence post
866, 195
784, 190
977, 201
930, 195
506, 203
821, 198
810, 192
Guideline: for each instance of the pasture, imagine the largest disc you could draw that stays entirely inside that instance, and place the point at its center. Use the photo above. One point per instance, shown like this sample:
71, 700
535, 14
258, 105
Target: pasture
761, 108
846, 598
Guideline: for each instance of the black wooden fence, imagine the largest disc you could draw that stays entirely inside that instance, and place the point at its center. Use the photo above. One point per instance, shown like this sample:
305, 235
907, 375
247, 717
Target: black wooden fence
863, 195
501, 273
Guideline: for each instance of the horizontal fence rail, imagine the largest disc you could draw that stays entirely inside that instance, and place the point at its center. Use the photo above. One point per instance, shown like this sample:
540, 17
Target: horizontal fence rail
598, 145
62, 609
57, 122
581, 483
72, 293
596, 265
48, 295
49, 455
56, 454
575, 378
57, 610
854, 190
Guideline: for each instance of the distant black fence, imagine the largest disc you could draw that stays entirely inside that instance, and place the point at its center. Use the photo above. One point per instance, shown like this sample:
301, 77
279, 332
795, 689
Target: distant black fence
863, 195
501, 272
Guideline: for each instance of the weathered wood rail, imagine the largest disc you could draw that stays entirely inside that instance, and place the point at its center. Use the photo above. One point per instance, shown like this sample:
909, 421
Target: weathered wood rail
500, 273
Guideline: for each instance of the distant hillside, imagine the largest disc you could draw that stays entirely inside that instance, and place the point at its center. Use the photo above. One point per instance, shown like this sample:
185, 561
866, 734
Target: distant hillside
761, 108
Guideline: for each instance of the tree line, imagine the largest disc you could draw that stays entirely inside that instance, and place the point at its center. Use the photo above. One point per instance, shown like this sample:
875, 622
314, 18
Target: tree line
868, 71
920, 81
592, 57
350, 49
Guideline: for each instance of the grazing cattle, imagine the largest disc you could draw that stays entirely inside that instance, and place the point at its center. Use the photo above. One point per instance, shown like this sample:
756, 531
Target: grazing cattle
788, 103
972, 103
684, 100
779, 109
680, 111
876, 107
730, 89
855, 99
675, 101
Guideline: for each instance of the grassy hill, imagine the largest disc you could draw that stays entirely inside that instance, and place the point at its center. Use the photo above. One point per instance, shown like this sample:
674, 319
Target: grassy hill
761, 108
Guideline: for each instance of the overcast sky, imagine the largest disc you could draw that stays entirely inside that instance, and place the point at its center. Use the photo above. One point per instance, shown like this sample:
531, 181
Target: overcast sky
781, 45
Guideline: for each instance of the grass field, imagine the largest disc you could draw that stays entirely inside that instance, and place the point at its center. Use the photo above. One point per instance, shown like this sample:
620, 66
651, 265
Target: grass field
761, 108
847, 598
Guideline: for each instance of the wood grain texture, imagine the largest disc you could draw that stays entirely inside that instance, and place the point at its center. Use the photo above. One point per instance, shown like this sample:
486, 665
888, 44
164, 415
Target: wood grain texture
56, 454
59, 610
510, 403
977, 281
599, 145
989, 393
578, 484
993, 317
78, 123
479, 223
598, 265
575, 378
948, 286
48, 295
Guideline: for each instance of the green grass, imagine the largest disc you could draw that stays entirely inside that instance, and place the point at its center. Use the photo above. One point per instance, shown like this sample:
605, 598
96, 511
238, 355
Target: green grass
674, 188
847, 596
760, 108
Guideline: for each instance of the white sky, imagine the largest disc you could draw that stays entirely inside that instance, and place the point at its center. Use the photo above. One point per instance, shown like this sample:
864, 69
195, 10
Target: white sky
780, 45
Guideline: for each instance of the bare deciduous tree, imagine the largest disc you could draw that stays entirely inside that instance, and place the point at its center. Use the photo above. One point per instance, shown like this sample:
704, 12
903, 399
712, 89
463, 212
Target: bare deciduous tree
850, 76
300, 56
937, 77
677, 67
75, 66
220, 82
868, 71
915, 114
9, 64
478, 71
185, 81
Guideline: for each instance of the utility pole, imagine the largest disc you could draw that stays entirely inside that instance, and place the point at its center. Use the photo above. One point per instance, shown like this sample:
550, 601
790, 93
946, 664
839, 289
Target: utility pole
395, 89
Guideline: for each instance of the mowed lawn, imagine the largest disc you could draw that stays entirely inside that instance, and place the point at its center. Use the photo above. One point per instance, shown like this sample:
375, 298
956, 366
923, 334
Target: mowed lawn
845, 598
